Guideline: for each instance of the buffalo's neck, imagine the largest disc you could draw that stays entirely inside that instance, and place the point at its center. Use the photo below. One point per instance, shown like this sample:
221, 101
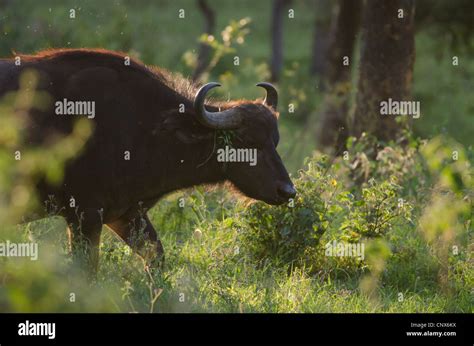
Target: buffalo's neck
182, 166
194, 165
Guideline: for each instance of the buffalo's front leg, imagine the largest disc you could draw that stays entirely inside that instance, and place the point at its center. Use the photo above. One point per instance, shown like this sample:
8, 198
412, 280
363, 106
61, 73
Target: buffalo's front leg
84, 231
140, 235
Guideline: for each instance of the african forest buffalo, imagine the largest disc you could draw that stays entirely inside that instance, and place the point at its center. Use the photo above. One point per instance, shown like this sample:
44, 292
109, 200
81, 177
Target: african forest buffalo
164, 124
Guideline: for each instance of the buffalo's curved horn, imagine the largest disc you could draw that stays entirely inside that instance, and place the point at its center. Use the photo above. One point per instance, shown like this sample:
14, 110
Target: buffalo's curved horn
271, 100
225, 120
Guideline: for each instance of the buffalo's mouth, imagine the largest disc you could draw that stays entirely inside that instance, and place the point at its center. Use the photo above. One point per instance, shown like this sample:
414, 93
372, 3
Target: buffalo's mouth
275, 201
285, 192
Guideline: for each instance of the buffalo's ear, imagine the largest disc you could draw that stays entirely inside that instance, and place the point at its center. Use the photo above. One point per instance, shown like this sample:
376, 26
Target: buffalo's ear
185, 128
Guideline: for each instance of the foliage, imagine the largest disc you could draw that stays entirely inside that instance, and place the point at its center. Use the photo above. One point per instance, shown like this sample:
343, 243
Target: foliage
291, 233
373, 215
233, 34
22, 164
225, 255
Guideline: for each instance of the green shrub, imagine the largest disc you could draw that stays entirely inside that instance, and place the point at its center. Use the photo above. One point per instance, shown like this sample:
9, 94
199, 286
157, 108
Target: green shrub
290, 233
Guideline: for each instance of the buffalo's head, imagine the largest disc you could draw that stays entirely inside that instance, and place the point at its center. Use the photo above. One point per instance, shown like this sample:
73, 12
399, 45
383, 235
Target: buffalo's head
254, 129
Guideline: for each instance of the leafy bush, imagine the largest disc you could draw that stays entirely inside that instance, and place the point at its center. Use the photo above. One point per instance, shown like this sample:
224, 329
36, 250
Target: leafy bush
290, 233
374, 213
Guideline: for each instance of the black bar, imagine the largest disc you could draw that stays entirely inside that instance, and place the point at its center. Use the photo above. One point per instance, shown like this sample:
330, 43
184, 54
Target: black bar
290, 329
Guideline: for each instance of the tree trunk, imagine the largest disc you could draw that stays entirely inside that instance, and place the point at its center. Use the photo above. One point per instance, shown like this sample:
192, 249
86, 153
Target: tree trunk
320, 37
277, 38
386, 65
337, 73
204, 49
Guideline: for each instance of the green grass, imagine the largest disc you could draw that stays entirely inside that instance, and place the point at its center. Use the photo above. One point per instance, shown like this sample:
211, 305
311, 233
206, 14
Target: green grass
217, 269
207, 274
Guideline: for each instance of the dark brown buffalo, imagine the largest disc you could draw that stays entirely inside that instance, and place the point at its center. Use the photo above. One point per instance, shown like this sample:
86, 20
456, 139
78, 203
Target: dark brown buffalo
137, 109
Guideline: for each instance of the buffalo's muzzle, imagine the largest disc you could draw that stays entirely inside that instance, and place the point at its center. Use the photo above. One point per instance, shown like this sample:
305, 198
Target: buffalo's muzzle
286, 191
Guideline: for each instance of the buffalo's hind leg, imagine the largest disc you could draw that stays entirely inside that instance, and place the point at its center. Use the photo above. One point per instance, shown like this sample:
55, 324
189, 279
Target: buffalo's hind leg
141, 236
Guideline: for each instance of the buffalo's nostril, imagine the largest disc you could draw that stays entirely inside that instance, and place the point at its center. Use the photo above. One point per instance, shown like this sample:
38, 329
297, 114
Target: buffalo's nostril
286, 191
